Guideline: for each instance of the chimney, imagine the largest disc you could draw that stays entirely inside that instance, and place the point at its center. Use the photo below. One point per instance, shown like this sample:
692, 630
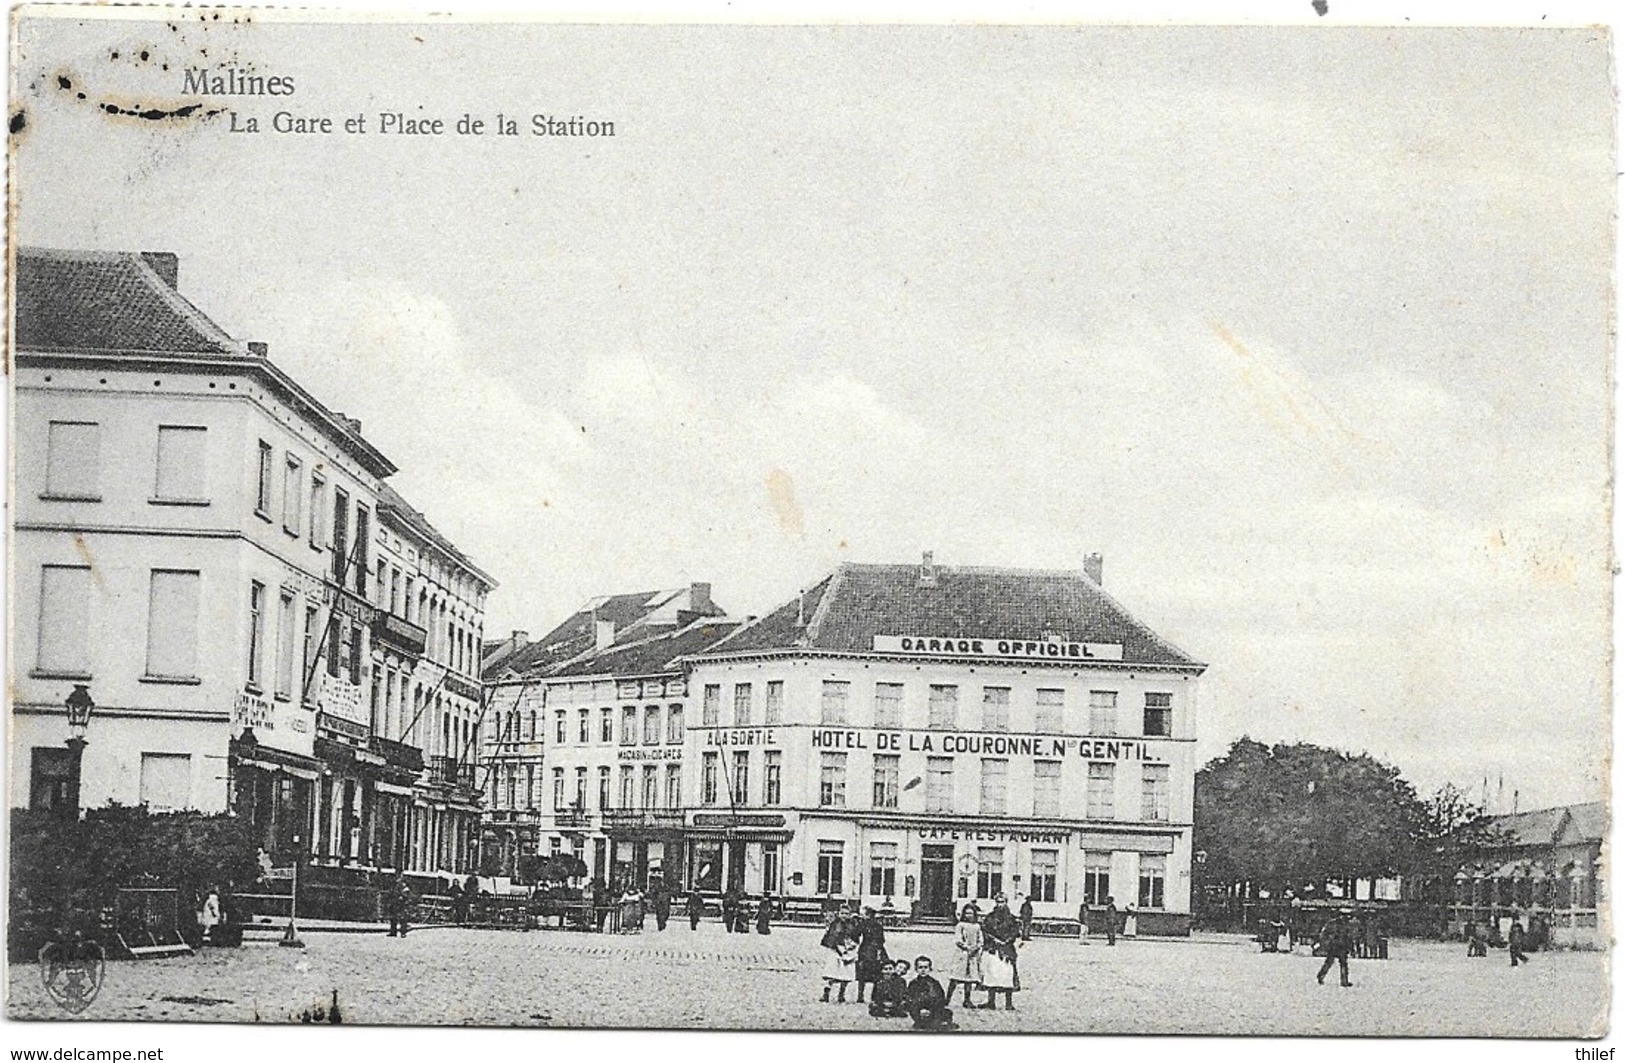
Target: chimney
603, 634
167, 264
699, 597
928, 570
1093, 565
258, 349
521, 638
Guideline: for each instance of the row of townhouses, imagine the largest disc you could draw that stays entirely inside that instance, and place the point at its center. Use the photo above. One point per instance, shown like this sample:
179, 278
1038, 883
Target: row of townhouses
216, 561
913, 736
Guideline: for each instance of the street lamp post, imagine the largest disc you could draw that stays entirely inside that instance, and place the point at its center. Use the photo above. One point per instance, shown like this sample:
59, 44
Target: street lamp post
80, 705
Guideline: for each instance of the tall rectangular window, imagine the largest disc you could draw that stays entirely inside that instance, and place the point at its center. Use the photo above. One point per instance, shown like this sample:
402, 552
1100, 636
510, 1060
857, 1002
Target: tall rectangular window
262, 492
1154, 792
711, 706
882, 869
832, 780
888, 704
1153, 879
831, 870
708, 779
166, 781
182, 464
1045, 863
674, 725
1050, 711
886, 772
772, 783
1046, 788
942, 707
629, 725
558, 789
1102, 712
995, 785
318, 517
651, 786
603, 787
363, 540
581, 788
172, 624
584, 726
256, 633
741, 778
1100, 799
313, 649
770, 868
560, 728
742, 695
293, 496
651, 725
832, 706
606, 725
989, 871
341, 536
995, 708
674, 786
73, 461
1159, 714
286, 663
939, 784
774, 713
1097, 878
64, 620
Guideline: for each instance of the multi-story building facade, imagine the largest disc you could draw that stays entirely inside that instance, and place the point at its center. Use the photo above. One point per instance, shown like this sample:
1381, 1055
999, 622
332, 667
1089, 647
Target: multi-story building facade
923, 735
529, 811
193, 542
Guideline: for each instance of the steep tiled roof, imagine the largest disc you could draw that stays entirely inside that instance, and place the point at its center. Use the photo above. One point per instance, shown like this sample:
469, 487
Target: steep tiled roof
652, 655
109, 300
391, 502
632, 614
848, 609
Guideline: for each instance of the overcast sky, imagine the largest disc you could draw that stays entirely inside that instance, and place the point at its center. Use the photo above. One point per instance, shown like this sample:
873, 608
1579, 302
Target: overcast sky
1305, 331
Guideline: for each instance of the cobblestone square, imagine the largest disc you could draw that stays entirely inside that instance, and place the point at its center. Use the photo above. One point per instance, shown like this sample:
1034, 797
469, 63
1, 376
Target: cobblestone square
711, 979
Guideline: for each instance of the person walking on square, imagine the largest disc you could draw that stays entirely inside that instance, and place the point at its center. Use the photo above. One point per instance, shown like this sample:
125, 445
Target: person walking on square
730, 910
694, 907
872, 959
660, 897
400, 906
208, 917
1111, 920
1516, 939
1026, 913
1131, 921
1083, 923
458, 909
1338, 938
841, 939
927, 1003
764, 913
966, 967
1000, 932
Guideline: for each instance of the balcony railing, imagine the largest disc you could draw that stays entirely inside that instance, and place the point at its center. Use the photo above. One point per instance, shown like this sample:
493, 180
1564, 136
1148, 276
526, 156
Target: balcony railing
399, 754
449, 771
572, 817
402, 634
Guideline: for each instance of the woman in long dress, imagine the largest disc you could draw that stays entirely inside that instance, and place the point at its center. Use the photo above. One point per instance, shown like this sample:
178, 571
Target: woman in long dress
966, 966
1000, 931
872, 959
841, 939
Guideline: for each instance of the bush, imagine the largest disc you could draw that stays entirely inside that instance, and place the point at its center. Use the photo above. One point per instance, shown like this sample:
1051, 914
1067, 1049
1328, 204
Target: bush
65, 873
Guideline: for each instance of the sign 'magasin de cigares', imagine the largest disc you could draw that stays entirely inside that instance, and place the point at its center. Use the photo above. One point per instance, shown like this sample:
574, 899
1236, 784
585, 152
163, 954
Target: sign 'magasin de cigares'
1019, 649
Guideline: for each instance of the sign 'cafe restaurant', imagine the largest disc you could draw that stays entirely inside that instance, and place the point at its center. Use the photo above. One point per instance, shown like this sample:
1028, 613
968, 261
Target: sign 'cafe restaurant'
922, 736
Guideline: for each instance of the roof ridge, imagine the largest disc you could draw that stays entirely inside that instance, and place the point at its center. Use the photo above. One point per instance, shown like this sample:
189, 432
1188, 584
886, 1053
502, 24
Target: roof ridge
1134, 619
183, 306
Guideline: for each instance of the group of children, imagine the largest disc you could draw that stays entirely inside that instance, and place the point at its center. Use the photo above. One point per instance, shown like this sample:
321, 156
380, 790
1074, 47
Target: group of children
921, 998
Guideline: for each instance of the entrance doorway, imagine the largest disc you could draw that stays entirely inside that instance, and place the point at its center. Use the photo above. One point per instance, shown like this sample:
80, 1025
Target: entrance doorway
736, 865
937, 881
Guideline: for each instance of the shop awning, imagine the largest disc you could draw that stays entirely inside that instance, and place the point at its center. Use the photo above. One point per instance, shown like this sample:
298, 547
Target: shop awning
390, 788
1105, 841
265, 765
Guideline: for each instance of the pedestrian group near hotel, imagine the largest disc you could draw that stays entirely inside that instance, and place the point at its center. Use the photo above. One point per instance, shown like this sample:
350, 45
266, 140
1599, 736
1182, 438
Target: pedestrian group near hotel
267, 627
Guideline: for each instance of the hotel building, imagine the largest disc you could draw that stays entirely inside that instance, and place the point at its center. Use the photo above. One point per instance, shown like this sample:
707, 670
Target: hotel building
923, 735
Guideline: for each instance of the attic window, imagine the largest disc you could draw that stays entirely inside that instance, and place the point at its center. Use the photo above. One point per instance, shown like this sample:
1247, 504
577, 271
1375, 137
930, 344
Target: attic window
928, 571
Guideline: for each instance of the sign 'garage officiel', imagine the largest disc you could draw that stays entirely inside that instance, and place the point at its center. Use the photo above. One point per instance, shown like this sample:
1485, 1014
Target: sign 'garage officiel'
1019, 649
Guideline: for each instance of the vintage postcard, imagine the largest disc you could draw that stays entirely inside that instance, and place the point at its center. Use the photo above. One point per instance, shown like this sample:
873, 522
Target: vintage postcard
958, 527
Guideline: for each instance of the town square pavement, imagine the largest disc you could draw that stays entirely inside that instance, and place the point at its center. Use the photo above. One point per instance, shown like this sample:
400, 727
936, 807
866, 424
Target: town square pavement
708, 978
